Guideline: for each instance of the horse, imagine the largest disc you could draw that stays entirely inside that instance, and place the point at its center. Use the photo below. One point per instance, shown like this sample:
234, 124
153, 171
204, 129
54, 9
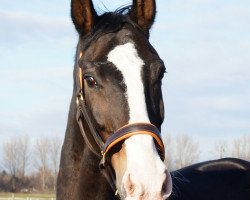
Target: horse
227, 179
113, 147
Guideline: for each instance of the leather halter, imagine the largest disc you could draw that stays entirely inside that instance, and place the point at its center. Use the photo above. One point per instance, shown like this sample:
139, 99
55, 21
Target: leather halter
101, 148
130, 130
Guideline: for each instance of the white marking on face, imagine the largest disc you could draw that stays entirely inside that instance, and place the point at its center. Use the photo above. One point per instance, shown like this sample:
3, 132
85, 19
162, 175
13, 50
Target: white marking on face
143, 161
126, 59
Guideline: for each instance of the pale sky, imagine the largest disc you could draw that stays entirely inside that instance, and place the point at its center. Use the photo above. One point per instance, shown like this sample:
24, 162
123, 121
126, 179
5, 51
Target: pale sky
205, 45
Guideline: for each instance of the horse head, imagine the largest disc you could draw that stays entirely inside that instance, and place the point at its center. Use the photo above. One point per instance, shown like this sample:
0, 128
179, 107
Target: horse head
120, 80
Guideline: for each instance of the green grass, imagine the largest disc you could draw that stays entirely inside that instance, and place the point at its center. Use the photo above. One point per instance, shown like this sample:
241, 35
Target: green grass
25, 195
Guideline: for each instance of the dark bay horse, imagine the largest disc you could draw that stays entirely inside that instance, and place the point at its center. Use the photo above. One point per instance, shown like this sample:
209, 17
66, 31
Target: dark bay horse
112, 147
223, 179
112, 139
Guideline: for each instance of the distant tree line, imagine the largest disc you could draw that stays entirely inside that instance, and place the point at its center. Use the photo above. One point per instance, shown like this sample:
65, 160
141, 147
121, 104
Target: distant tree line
30, 167
33, 166
184, 150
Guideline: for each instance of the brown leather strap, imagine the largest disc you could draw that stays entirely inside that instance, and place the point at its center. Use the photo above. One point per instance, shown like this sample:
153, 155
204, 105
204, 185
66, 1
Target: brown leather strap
91, 136
93, 140
134, 129
110, 177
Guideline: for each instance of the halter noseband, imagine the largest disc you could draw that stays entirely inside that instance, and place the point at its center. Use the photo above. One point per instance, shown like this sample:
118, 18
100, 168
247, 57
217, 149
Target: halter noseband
101, 148
130, 130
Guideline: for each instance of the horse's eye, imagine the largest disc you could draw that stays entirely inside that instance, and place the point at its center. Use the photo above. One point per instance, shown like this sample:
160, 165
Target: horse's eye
90, 81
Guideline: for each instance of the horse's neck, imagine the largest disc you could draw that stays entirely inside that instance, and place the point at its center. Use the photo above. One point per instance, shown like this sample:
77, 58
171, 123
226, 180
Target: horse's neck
79, 176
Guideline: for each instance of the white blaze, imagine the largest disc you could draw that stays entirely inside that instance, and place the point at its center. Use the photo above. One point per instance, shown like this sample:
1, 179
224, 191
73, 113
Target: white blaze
126, 59
142, 157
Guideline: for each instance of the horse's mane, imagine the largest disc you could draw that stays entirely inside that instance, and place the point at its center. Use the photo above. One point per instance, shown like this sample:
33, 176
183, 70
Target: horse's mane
109, 22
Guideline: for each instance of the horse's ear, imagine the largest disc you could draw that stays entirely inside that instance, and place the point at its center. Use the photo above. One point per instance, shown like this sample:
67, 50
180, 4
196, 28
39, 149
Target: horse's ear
143, 13
83, 15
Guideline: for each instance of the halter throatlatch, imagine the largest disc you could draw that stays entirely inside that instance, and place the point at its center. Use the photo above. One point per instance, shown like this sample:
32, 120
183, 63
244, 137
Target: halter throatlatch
103, 149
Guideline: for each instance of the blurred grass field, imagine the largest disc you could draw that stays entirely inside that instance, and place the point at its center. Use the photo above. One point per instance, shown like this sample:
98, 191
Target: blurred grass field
27, 195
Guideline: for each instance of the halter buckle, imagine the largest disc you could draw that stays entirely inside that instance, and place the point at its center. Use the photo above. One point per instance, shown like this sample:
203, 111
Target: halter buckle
103, 160
79, 97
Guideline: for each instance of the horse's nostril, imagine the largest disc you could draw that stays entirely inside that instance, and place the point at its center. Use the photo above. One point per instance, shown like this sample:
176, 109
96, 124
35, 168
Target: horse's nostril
129, 185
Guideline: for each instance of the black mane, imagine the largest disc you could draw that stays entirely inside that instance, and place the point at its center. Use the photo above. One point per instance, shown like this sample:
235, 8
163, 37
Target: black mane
110, 22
